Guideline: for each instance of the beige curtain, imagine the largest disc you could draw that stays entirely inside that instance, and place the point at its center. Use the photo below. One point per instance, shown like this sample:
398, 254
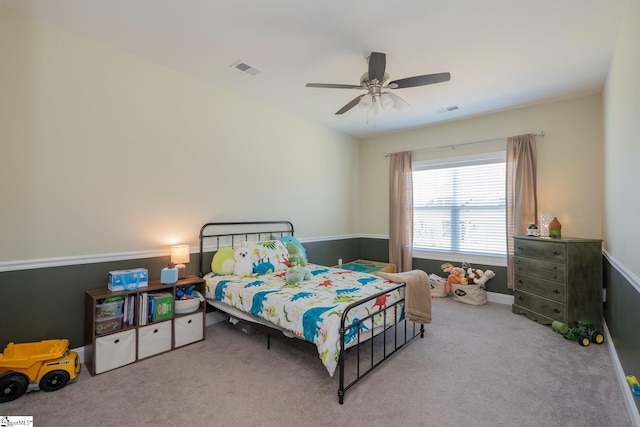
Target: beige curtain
522, 200
400, 211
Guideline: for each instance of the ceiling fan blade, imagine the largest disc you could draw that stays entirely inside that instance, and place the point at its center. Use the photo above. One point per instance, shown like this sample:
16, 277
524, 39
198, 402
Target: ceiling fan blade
427, 79
398, 103
350, 105
333, 86
377, 65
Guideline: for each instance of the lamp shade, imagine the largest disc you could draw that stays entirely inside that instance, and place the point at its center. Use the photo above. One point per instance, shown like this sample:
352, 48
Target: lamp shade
365, 102
386, 101
180, 254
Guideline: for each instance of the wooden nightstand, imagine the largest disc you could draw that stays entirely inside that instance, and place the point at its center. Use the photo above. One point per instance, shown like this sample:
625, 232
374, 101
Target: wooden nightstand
366, 266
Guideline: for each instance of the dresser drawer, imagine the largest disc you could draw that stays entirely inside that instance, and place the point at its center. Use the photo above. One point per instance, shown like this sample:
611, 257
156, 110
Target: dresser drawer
540, 287
543, 306
543, 274
541, 250
154, 339
540, 264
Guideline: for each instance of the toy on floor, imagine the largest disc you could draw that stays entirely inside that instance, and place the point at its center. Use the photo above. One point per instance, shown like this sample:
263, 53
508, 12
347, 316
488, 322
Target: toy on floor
47, 365
635, 386
584, 332
456, 276
479, 277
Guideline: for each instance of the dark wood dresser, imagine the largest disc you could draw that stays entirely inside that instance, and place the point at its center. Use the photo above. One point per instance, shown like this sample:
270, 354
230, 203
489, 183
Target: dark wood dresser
558, 279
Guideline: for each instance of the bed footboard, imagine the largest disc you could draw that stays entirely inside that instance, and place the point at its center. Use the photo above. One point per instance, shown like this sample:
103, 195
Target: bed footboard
393, 339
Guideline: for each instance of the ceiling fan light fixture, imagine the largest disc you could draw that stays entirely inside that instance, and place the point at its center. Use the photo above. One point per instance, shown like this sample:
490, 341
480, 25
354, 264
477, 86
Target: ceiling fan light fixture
386, 101
365, 102
375, 80
375, 106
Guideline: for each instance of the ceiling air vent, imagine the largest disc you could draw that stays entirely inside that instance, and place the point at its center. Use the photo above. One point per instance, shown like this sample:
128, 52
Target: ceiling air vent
447, 109
246, 68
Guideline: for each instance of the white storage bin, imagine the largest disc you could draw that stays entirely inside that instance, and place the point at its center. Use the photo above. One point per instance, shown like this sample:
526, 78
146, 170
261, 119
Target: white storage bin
189, 329
115, 350
154, 339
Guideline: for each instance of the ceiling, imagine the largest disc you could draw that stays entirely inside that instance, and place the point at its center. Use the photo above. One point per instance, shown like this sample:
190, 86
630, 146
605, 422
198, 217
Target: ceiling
501, 53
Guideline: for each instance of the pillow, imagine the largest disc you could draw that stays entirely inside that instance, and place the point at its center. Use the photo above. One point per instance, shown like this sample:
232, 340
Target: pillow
269, 256
223, 262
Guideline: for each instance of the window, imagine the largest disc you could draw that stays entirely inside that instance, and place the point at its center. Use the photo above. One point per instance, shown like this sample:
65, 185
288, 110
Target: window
459, 205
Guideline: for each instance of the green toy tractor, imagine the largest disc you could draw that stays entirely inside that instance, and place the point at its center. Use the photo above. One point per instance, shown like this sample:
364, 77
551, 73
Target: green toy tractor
584, 332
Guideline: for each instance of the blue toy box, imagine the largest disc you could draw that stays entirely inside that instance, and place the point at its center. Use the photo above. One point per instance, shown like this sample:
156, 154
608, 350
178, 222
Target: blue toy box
125, 280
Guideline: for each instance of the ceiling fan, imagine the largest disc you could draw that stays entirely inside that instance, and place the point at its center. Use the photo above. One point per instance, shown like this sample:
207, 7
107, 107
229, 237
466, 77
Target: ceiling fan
375, 82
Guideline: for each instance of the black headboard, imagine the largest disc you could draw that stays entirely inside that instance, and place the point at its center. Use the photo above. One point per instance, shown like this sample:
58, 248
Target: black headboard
228, 233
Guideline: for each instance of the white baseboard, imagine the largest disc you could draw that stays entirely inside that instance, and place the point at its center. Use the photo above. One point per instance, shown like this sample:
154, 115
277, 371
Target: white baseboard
500, 298
629, 402
80, 351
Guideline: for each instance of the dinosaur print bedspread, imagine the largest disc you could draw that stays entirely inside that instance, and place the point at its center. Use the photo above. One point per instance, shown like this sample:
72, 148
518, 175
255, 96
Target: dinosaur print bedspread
311, 309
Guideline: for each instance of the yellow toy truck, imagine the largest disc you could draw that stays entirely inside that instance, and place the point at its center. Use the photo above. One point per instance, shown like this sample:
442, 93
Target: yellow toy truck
46, 365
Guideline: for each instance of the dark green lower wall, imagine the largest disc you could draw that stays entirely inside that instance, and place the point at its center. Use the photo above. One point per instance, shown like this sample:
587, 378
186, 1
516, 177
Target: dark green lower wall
48, 303
622, 314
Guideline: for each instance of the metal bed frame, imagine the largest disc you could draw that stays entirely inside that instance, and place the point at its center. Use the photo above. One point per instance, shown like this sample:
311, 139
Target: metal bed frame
401, 332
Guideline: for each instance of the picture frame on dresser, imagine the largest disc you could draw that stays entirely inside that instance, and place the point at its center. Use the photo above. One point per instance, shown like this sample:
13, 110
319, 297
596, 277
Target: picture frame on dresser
558, 279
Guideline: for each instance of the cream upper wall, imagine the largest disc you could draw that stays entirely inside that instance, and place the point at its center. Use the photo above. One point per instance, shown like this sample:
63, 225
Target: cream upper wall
108, 153
570, 164
622, 145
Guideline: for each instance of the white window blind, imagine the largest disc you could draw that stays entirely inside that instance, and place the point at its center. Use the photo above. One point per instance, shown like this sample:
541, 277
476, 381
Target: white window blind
459, 205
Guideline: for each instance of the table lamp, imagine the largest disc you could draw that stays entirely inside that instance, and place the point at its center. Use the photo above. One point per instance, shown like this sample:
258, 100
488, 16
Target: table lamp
180, 256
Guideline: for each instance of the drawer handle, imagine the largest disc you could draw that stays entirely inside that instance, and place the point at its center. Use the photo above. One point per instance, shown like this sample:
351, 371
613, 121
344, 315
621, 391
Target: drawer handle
520, 281
190, 321
520, 248
117, 341
155, 331
520, 298
555, 310
555, 291
556, 253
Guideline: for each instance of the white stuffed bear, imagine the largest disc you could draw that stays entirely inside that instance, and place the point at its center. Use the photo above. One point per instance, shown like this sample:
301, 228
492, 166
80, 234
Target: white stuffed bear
478, 277
244, 266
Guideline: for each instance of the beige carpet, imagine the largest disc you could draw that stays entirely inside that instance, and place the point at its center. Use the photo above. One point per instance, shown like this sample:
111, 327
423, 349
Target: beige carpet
476, 366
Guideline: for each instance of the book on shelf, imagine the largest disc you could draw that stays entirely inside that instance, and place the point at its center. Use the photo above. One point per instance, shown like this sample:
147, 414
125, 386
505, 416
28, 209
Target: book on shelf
160, 306
154, 307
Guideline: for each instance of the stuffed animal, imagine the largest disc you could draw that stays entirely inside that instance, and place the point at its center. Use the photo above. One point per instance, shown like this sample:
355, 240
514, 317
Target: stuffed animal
446, 267
473, 275
296, 274
295, 255
244, 266
295, 248
478, 277
223, 261
457, 276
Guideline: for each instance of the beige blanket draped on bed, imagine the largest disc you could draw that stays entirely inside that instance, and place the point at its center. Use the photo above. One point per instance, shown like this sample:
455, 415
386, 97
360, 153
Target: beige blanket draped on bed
417, 296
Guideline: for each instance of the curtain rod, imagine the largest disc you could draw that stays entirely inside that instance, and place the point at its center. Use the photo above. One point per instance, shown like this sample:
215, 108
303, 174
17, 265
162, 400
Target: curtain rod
453, 146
